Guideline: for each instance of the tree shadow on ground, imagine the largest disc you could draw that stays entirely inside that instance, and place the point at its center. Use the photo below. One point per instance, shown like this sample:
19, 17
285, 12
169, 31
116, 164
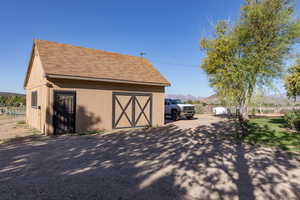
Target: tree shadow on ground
273, 120
277, 120
156, 163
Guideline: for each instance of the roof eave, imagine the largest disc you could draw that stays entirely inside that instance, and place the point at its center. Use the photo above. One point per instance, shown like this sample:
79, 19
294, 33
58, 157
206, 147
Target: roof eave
57, 76
29, 65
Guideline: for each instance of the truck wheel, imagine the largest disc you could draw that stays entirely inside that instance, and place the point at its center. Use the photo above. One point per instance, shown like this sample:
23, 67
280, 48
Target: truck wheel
190, 117
174, 115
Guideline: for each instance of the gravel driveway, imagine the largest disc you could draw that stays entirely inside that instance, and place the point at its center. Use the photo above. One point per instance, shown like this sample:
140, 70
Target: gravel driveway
168, 162
198, 120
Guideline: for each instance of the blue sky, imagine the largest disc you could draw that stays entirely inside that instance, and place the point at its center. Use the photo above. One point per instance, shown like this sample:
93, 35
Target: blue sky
167, 30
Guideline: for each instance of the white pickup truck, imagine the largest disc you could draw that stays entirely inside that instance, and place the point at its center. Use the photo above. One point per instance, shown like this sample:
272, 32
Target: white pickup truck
176, 109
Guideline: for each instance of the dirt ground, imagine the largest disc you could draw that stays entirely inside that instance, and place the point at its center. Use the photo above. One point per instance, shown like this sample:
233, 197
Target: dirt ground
198, 120
182, 160
10, 129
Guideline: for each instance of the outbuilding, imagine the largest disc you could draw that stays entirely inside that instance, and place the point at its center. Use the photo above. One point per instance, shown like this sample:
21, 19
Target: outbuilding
77, 89
220, 111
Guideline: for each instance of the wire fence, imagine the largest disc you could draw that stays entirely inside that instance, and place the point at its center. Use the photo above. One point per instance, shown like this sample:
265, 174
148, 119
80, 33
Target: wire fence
13, 111
208, 109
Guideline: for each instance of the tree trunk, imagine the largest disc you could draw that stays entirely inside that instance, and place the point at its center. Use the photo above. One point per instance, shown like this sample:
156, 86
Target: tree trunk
244, 114
243, 118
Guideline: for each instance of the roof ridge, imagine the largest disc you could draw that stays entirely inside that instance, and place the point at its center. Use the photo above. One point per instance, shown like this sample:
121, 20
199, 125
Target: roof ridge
94, 49
65, 59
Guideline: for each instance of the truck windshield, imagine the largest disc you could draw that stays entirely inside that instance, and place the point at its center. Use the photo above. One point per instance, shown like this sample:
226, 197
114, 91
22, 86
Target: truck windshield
176, 101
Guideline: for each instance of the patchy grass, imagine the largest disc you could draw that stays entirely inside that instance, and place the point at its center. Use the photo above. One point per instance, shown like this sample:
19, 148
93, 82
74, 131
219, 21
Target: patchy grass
93, 132
272, 131
22, 122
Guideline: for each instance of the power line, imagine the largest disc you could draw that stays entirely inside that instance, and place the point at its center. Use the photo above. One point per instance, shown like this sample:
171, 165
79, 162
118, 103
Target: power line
182, 66
176, 64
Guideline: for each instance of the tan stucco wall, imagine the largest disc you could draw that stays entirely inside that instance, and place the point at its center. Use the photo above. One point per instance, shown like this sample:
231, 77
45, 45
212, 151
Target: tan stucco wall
35, 118
94, 102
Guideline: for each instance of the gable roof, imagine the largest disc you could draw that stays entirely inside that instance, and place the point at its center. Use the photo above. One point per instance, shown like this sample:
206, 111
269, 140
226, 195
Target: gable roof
73, 62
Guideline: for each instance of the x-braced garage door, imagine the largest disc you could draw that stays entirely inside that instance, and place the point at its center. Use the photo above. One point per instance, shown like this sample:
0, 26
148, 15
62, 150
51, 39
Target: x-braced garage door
131, 110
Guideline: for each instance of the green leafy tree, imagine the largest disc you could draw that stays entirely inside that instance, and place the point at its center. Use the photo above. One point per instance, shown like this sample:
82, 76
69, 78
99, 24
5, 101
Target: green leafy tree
250, 54
12, 100
292, 81
2, 100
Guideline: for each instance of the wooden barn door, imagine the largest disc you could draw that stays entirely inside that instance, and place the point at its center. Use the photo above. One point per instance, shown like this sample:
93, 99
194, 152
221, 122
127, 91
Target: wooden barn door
64, 112
131, 110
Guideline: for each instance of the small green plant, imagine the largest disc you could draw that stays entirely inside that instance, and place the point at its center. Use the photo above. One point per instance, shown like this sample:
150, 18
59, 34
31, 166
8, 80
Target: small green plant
35, 131
147, 127
292, 118
22, 122
91, 132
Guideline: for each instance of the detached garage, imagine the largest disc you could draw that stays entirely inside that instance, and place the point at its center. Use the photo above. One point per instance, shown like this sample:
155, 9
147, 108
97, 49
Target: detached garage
76, 89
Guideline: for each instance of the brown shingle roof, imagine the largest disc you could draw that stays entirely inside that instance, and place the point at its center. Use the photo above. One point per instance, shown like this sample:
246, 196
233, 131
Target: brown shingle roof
68, 60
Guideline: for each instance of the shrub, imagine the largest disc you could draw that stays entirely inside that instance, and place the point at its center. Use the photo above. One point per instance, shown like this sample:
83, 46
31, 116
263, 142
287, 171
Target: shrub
293, 119
199, 109
297, 124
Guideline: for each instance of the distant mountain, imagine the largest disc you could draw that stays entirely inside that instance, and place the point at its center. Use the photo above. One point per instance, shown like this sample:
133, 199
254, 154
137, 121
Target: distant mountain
280, 99
183, 97
213, 99
11, 94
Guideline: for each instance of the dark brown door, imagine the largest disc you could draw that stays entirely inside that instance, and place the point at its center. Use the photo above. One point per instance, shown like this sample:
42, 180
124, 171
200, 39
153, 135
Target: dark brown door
131, 110
64, 112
